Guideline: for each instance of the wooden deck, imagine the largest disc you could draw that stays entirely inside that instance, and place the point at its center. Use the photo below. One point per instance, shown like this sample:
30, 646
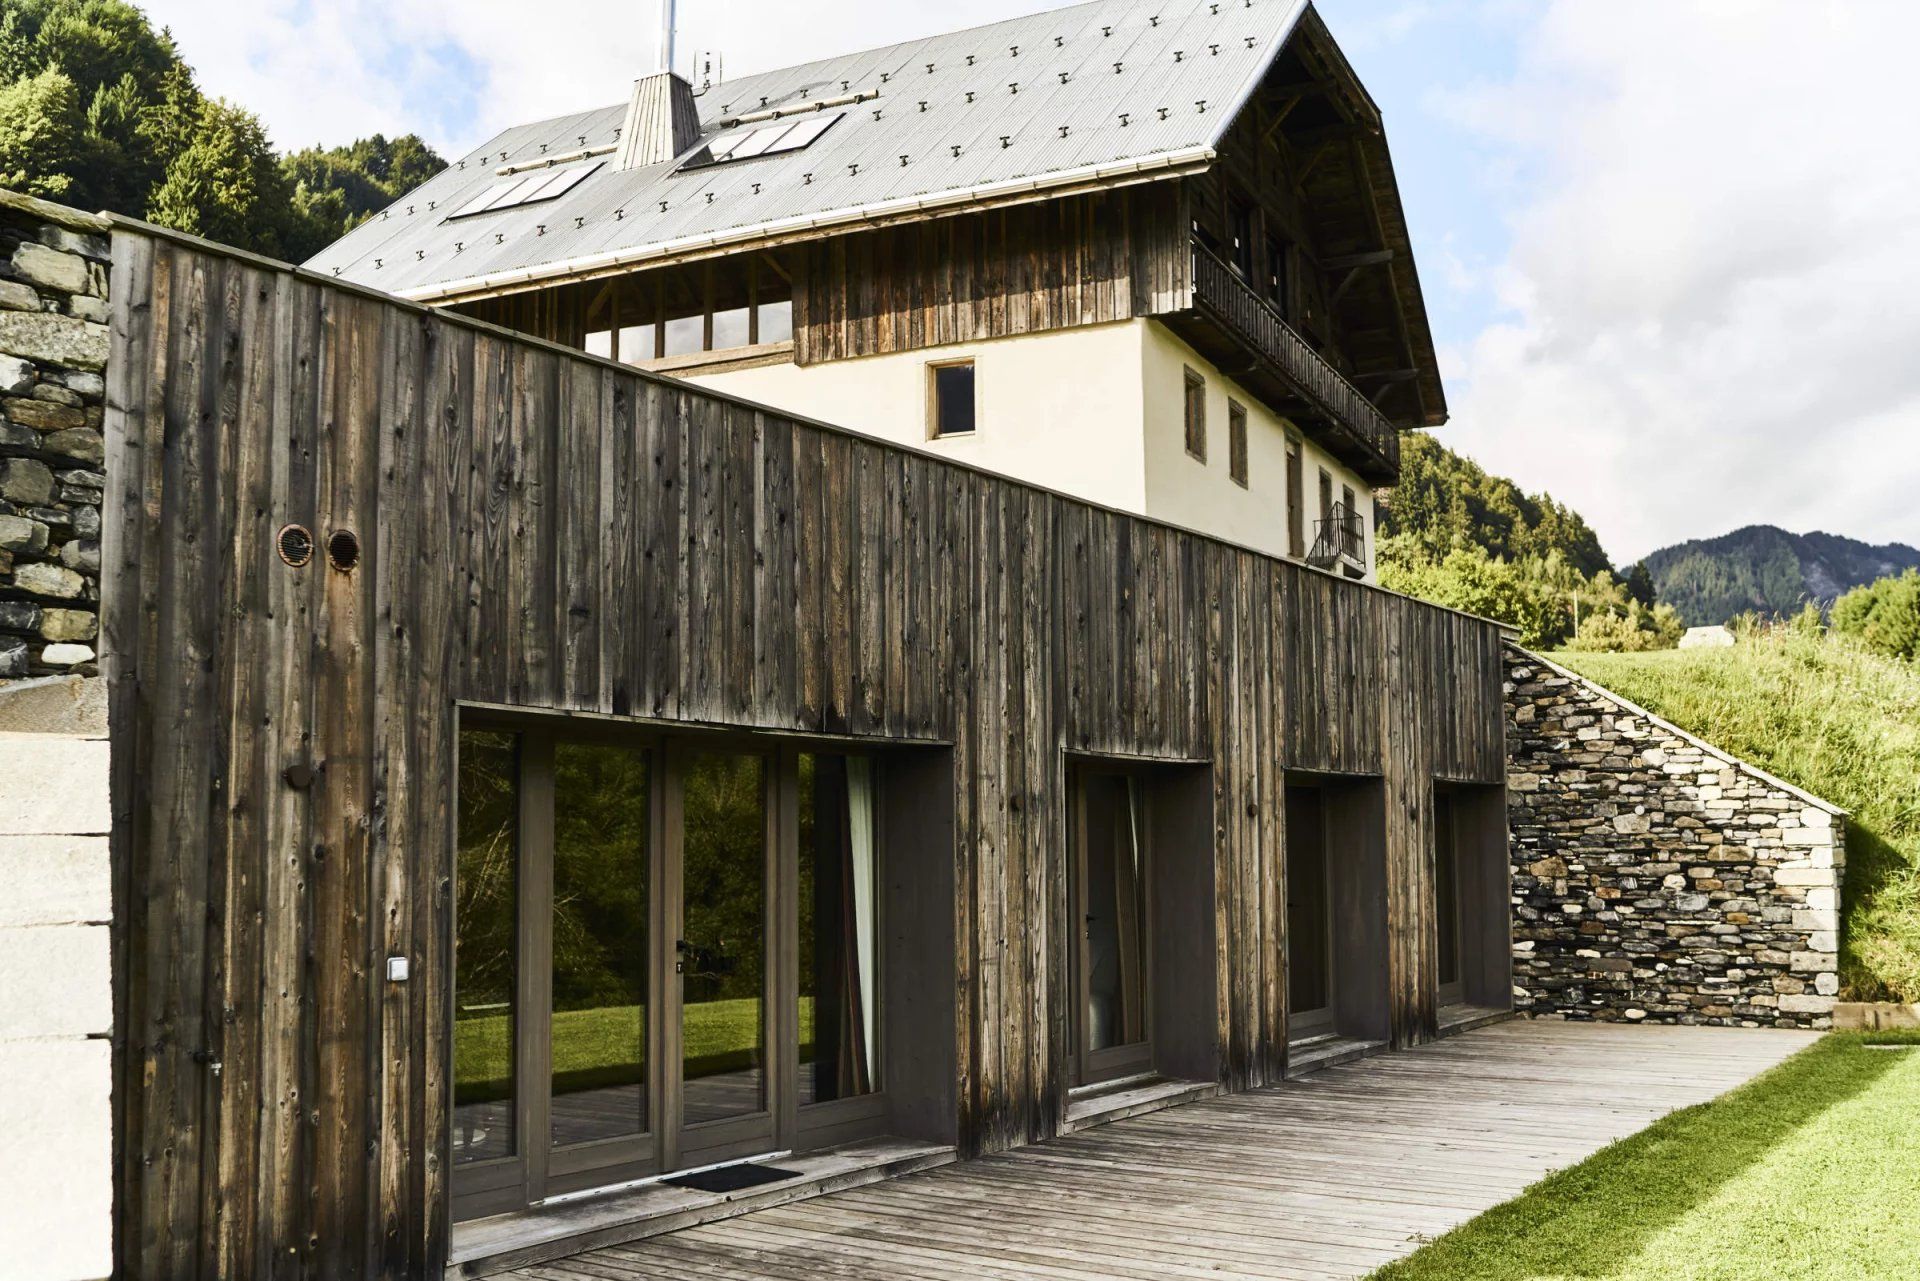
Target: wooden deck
1329, 1175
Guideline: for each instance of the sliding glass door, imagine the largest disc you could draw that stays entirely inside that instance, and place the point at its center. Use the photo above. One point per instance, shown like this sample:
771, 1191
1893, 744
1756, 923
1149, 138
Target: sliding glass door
721, 961
664, 955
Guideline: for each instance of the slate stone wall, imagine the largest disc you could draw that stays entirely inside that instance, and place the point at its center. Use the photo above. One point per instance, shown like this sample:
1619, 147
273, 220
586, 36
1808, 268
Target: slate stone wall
1655, 878
53, 357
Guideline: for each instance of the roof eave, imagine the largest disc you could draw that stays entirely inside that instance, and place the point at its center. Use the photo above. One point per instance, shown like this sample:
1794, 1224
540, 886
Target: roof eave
1163, 165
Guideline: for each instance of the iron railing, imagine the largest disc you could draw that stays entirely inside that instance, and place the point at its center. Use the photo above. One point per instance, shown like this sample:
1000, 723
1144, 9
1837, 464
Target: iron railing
1219, 290
1342, 536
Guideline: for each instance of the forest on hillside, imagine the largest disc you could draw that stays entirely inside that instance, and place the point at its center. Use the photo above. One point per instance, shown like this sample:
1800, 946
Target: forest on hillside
1768, 571
1455, 534
99, 111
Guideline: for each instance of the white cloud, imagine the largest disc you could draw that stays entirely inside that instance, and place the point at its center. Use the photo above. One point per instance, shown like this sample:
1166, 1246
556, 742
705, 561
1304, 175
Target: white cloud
458, 71
1712, 271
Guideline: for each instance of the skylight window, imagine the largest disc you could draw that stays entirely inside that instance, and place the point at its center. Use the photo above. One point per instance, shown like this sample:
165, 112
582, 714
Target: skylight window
765, 140
525, 189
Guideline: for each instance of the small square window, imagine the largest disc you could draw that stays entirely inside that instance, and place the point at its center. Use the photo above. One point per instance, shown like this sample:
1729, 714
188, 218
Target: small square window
951, 398
1196, 416
1237, 442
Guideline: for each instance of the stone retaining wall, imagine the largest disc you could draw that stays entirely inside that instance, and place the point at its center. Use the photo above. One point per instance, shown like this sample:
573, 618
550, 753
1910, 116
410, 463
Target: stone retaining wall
53, 357
1656, 878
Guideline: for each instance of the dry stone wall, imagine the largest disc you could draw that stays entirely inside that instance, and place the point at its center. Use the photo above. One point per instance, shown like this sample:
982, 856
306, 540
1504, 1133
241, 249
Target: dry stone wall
1655, 878
53, 357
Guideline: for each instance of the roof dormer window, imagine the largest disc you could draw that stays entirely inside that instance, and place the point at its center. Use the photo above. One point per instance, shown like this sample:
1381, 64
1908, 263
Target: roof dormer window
765, 140
524, 189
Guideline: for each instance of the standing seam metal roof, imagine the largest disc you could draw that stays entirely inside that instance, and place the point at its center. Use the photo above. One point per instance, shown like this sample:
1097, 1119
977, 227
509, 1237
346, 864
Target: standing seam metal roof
1033, 101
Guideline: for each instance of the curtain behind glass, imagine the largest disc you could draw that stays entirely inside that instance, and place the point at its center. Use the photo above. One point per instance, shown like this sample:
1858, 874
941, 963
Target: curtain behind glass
837, 1030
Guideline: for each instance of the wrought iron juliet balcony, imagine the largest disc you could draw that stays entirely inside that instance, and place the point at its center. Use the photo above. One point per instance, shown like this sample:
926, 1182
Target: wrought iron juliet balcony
1247, 338
1340, 541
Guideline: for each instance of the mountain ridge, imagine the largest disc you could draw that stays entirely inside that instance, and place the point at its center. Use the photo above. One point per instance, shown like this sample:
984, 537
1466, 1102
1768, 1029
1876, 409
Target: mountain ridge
1767, 570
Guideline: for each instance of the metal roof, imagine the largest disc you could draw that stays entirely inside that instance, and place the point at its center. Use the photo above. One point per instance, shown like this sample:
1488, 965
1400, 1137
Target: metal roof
1085, 94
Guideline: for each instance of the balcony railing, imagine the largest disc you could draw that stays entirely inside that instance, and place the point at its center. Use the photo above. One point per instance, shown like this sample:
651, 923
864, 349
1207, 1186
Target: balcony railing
1233, 305
1340, 541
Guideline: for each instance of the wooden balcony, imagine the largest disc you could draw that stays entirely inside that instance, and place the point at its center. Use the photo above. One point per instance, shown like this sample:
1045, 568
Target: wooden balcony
1245, 336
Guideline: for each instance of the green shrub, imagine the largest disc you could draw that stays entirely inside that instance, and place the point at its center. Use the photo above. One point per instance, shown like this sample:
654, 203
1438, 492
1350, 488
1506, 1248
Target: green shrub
1884, 615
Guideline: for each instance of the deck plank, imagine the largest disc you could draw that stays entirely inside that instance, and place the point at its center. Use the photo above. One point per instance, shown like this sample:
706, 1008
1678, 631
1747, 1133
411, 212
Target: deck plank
1326, 1176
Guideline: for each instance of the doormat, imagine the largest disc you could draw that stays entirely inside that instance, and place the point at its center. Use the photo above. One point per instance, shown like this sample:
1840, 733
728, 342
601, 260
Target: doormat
731, 1178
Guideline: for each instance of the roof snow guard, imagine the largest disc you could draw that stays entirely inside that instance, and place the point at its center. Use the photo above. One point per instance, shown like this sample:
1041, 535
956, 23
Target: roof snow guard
1095, 94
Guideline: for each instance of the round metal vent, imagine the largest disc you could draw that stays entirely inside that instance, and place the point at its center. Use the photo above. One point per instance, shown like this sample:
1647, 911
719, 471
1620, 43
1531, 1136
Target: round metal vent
343, 549
296, 545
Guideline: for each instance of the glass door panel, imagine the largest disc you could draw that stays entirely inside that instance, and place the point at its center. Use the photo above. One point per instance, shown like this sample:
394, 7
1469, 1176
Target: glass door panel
599, 1054
1446, 901
486, 949
1309, 938
1108, 895
836, 1023
721, 952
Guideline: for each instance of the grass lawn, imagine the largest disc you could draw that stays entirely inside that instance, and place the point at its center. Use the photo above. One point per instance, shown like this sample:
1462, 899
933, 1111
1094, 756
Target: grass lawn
1811, 1170
601, 1046
1830, 717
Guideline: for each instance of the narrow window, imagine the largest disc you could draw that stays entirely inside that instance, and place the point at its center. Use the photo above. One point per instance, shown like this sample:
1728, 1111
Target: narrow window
837, 937
1237, 442
1196, 416
1326, 495
951, 398
486, 952
1296, 500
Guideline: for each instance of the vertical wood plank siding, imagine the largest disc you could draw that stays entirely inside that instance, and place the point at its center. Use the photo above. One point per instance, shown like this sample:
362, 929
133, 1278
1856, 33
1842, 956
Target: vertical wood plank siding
1051, 264
543, 530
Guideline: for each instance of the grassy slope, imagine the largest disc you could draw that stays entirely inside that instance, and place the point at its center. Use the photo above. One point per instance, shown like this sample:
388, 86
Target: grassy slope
1807, 1171
1837, 721
602, 1046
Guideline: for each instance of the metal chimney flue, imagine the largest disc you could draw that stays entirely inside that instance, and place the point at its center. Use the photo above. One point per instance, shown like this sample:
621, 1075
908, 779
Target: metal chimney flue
662, 120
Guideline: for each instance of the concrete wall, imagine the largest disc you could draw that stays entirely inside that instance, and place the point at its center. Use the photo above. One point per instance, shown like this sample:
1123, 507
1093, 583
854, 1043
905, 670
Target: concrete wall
1098, 412
56, 1004
1656, 878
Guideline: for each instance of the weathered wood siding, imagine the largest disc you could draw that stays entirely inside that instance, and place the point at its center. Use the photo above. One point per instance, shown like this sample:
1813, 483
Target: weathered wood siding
544, 530
1023, 269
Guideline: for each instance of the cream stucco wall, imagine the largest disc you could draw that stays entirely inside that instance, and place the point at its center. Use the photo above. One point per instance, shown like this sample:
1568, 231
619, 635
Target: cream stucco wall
1098, 412
1203, 495
1060, 409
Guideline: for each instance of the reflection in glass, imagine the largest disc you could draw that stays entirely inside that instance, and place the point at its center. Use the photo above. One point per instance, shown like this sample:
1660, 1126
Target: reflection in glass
486, 925
836, 927
1446, 890
723, 943
636, 343
600, 843
1309, 975
1116, 912
776, 321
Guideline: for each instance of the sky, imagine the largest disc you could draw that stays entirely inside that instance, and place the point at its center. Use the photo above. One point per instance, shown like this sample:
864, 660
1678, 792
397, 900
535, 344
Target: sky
1668, 247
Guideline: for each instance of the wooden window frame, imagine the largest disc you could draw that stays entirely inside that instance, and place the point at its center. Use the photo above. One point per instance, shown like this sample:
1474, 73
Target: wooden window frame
1237, 442
1296, 496
933, 398
1193, 412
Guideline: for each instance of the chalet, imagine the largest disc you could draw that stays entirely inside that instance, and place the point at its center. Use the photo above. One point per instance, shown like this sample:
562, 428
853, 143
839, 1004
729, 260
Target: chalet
1149, 253
776, 632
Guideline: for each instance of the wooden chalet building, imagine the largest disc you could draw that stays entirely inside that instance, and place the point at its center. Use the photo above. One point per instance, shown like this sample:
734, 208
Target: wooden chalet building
948, 712
1150, 254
